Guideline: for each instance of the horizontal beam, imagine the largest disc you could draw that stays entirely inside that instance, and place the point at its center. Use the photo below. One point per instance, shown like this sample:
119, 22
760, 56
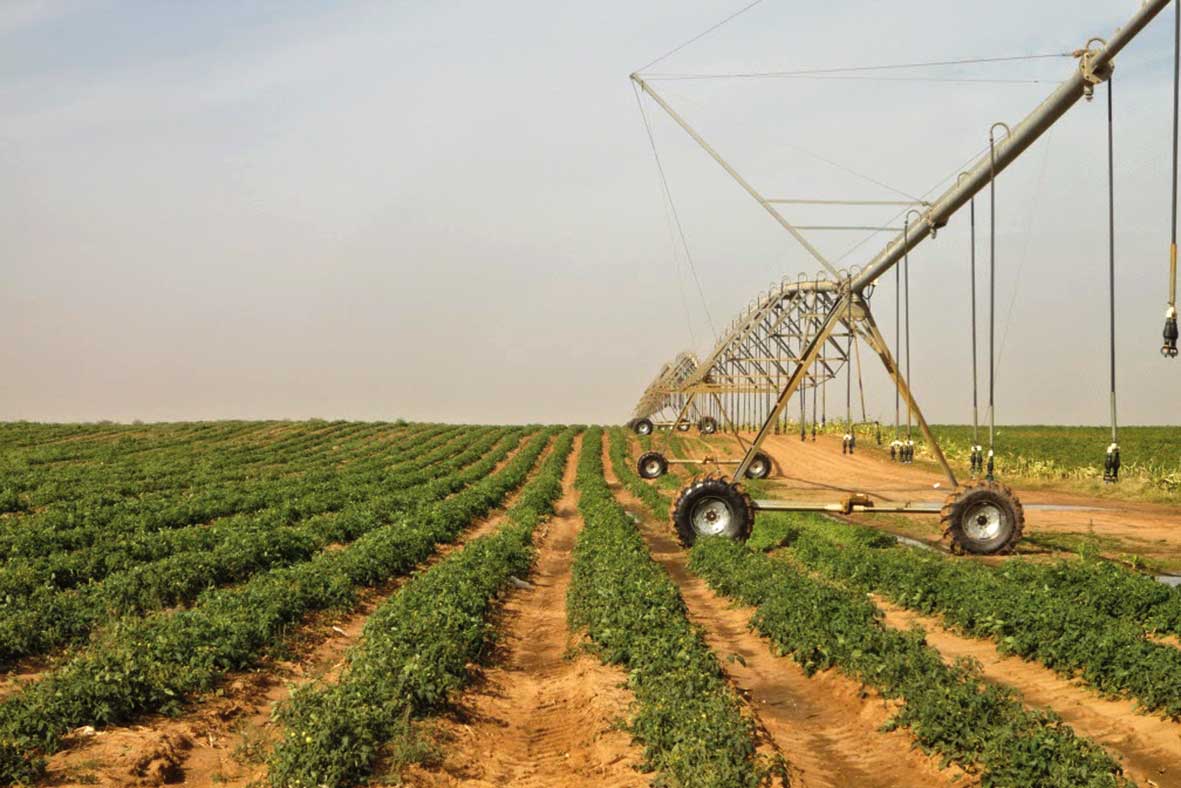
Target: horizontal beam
783, 201
1095, 65
913, 507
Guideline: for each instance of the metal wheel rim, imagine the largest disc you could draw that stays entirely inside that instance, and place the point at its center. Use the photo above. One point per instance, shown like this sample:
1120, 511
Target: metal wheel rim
712, 516
758, 468
643, 429
652, 467
984, 521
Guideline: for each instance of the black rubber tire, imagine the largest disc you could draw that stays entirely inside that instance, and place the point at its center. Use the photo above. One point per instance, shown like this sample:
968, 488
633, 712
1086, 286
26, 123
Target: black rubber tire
708, 425
718, 494
683, 426
651, 465
643, 427
977, 500
760, 467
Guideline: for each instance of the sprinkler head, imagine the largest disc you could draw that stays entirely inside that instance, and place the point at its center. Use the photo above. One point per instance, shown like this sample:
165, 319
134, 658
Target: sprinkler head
1169, 347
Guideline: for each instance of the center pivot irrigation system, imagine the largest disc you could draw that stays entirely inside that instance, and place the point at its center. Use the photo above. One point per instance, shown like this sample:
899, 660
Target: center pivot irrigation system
738, 383
801, 333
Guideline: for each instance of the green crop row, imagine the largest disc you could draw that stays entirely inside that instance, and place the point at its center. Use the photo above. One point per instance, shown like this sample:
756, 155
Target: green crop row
1036, 621
414, 652
99, 516
950, 709
686, 715
95, 554
35, 623
153, 663
82, 479
1105, 587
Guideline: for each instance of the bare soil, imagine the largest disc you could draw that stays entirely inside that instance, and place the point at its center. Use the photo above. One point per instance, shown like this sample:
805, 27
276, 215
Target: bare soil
542, 713
826, 726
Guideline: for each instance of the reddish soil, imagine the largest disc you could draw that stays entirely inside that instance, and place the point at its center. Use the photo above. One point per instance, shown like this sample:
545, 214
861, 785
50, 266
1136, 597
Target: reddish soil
826, 726
224, 739
542, 713
1148, 747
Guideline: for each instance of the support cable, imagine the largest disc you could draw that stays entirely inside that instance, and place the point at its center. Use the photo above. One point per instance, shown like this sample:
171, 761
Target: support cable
699, 36
838, 78
852, 69
676, 216
1111, 461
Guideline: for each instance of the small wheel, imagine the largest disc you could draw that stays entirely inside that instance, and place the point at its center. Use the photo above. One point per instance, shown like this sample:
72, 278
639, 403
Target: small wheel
760, 467
652, 465
712, 506
708, 425
682, 426
643, 426
984, 518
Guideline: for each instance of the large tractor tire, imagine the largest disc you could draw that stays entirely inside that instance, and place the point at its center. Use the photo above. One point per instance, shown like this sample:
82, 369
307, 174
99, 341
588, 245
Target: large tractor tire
708, 425
984, 518
652, 465
712, 506
643, 427
760, 467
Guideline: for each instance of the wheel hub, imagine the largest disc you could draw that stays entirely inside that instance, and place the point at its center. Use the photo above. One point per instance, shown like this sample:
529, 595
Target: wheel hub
652, 467
712, 517
984, 522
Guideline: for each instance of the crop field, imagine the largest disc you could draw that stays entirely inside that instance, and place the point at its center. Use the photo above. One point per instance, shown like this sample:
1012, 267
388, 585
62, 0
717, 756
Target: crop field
336, 603
1151, 455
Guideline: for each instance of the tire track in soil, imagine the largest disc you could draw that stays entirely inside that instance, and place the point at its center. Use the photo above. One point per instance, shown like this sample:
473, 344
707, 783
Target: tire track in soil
223, 739
826, 726
1149, 748
540, 714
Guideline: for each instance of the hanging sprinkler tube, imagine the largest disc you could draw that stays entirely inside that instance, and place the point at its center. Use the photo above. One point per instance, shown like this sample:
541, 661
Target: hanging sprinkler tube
991, 475
1169, 346
1111, 462
976, 458
908, 448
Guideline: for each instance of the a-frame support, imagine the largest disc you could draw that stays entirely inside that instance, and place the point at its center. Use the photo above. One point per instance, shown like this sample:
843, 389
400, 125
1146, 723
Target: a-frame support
853, 311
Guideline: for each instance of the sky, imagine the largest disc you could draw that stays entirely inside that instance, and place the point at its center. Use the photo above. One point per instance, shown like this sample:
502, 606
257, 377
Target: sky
450, 210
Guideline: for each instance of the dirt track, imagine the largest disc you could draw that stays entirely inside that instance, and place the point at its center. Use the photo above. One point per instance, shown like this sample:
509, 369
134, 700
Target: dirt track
541, 715
825, 726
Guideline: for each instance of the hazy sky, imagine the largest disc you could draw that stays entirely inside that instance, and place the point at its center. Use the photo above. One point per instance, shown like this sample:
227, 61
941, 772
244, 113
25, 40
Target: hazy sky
450, 211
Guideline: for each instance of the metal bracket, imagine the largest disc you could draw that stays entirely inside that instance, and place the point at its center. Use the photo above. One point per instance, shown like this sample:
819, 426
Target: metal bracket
1093, 74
